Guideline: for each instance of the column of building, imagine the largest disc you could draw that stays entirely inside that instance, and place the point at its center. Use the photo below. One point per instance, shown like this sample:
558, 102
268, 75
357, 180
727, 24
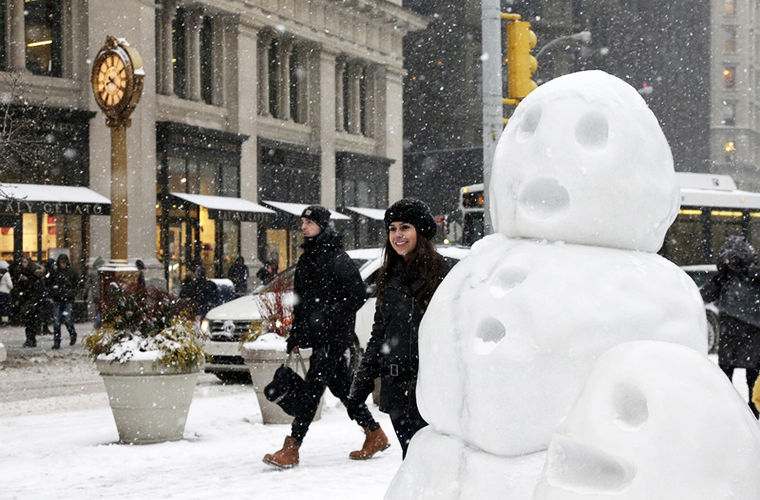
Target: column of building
328, 74
265, 42
17, 54
165, 69
244, 105
340, 68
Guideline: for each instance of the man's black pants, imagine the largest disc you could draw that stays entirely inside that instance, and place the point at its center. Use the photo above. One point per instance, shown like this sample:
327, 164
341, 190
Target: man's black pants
329, 367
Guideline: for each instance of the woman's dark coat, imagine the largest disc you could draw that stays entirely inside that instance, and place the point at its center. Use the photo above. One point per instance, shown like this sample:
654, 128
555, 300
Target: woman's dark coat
736, 289
329, 290
392, 351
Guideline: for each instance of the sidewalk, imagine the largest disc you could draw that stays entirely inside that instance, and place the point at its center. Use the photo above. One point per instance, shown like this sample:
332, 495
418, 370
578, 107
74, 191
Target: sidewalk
13, 338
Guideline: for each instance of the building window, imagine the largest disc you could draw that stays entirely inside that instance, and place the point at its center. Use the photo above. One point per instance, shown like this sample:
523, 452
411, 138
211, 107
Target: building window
729, 77
42, 26
729, 150
179, 59
730, 45
207, 61
730, 7
274, 77
297, 84
729, 113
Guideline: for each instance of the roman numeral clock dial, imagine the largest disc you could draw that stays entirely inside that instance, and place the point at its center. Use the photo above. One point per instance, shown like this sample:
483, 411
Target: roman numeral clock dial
117, 80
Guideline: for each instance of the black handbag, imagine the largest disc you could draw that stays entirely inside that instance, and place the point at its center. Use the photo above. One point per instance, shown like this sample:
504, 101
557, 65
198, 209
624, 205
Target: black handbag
287, 389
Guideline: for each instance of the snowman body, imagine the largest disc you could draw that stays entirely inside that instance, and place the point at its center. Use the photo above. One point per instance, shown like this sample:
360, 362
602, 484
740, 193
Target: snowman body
581, 195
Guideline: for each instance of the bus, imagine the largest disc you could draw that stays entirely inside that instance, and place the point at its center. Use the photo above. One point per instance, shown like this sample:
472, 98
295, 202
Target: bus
712, 209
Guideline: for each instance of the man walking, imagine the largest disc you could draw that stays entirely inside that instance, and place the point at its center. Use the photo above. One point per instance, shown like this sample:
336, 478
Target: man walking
329, 291
63, 290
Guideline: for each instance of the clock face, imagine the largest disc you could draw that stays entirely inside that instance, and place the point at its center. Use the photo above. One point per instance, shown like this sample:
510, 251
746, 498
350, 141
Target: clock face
111, 80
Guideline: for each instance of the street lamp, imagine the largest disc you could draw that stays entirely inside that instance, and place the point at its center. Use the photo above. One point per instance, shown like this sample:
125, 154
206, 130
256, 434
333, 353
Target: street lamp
582, 36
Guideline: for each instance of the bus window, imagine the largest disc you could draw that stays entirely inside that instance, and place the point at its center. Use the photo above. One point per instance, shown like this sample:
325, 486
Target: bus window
724, 223
685, 242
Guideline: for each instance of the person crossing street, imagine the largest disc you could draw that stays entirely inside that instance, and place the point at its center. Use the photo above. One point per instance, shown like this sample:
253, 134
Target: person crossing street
329, 290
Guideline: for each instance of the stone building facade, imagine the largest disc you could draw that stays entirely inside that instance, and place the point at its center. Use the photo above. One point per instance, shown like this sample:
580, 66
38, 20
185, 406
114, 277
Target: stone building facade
289, 101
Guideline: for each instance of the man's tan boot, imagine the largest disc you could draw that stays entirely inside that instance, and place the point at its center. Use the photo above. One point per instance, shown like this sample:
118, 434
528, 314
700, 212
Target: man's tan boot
375, 441
285, 458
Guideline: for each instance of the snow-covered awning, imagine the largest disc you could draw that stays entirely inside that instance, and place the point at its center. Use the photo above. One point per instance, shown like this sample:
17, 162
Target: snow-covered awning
298, 208
372, 213
226, 207
52, 199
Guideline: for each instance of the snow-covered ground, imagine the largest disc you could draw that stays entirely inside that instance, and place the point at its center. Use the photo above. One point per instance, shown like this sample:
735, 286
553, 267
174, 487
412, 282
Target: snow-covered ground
58, 440
73, 454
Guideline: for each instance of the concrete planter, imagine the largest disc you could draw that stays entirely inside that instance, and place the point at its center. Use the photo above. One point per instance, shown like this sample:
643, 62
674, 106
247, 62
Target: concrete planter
149, 405
262, 363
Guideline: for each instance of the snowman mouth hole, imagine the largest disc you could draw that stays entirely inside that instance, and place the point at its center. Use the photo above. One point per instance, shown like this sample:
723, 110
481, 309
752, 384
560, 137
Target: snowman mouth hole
584, 469
543, 198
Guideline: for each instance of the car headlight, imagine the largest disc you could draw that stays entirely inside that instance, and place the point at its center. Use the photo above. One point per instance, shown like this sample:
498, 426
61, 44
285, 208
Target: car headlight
205, 326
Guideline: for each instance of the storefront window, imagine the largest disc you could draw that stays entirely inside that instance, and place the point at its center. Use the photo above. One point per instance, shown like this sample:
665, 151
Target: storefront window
230, 245
176, 175
207, 173
42, 23
7, 233
208, 241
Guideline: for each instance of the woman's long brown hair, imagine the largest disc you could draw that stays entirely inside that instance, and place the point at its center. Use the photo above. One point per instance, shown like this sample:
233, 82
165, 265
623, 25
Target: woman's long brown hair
424, 262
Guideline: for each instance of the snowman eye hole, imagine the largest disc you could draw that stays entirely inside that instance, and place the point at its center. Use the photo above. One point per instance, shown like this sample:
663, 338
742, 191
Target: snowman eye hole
592, 131
629, 406
529, 123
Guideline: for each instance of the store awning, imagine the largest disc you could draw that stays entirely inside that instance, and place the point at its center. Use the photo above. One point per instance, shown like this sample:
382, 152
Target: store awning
372, 213
298, 208
52, 199
227, 207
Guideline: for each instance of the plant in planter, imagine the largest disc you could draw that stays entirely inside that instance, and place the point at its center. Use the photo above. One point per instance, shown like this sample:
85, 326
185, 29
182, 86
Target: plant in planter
264, 346
149, 355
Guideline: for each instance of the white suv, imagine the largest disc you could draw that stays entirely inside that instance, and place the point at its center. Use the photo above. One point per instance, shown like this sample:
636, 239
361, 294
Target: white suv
227, 322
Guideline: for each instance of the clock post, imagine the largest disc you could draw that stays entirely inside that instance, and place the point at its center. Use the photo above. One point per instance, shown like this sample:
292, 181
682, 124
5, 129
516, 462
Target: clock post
117, 84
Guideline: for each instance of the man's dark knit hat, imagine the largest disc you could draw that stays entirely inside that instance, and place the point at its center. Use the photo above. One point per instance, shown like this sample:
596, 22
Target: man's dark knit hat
317, 213
413, 211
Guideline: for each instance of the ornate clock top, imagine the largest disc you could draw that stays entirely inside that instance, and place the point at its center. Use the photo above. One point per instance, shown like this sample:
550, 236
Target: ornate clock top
117, 80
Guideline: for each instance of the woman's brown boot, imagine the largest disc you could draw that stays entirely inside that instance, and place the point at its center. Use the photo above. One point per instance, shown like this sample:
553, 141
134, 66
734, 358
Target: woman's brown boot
374, 442
285, 458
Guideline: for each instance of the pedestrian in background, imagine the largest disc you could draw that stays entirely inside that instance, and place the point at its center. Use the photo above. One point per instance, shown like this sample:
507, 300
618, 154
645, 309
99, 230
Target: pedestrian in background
411, 272
140, 265
267, 272
6, 286
62, 286
28, 297
46, 304
736, 288
239, 274
329, 291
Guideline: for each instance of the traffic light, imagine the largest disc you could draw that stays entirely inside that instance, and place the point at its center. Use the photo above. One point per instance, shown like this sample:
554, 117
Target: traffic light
521, 64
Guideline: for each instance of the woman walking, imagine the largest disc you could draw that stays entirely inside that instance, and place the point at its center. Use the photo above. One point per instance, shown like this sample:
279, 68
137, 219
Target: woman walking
411, 272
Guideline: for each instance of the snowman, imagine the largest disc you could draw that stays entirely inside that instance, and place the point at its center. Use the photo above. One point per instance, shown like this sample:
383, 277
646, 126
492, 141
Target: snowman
581, 194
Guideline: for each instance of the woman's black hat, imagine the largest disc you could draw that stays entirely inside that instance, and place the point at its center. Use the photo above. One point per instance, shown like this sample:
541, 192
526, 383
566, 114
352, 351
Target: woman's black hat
413, 211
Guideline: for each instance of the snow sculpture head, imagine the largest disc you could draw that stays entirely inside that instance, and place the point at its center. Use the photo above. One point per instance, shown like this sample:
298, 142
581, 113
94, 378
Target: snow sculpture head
655, 420
583, 160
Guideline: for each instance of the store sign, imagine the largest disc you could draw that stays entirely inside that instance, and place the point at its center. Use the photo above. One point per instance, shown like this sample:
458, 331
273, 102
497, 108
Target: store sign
234, 215
54, 207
